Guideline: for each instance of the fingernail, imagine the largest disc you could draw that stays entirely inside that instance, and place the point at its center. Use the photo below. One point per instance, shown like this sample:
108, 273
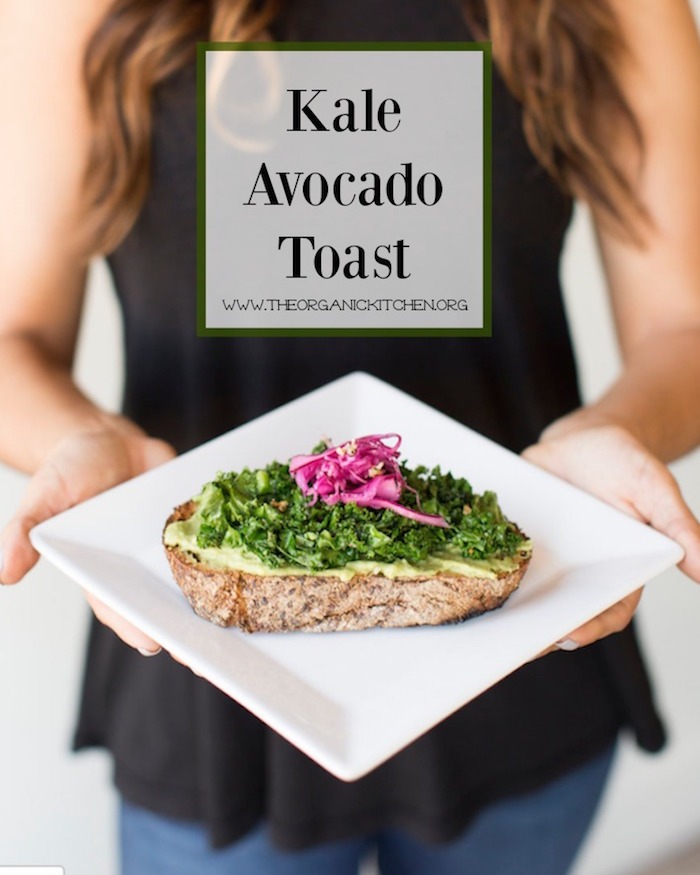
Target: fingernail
144, 652
567, 644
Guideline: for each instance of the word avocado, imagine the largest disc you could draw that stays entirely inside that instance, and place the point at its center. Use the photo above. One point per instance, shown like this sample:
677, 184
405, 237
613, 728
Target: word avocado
315, 189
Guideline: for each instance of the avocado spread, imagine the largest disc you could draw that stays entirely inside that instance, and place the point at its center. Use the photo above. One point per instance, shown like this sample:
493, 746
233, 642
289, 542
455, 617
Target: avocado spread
259, 521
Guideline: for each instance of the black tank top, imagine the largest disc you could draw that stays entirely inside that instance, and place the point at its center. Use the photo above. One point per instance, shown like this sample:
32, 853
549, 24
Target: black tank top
184, 749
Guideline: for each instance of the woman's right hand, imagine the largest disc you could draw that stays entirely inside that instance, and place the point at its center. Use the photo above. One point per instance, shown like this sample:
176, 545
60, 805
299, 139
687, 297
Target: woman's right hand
81, 466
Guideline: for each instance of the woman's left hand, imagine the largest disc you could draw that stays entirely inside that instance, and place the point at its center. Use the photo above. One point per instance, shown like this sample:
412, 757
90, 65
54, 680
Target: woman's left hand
607, 461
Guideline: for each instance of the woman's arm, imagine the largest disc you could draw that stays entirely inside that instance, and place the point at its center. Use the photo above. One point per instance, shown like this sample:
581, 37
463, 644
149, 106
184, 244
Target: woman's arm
613, 447
42, 275
50, 427
656, 289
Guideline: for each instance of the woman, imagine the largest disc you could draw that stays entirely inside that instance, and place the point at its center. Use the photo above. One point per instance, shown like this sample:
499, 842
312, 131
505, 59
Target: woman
584, 104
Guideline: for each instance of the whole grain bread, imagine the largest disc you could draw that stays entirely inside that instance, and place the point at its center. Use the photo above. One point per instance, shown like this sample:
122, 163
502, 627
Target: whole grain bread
319, 603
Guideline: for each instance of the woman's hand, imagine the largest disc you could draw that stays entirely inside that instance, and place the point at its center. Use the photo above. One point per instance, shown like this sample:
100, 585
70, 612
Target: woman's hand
81, 466
608, 462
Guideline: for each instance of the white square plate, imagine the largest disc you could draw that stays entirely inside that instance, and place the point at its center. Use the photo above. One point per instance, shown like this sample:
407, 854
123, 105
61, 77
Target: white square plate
350, 700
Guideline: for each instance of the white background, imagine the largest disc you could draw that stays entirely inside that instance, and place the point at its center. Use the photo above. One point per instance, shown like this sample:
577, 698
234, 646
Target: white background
57, 808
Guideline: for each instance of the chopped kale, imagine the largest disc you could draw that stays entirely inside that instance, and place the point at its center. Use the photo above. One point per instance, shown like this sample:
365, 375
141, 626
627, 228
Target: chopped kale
266, 513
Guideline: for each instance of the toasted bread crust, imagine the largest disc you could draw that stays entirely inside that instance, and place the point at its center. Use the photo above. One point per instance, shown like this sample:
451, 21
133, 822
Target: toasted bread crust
316, 603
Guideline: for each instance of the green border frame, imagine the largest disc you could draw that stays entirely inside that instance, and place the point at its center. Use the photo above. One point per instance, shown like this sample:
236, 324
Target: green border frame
203, 48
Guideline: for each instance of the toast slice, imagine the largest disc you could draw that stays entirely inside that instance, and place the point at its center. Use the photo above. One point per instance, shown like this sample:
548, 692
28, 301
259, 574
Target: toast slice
320, 603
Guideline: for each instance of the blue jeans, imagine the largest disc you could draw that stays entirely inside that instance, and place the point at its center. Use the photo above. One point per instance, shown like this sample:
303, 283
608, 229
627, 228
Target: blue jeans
535, 833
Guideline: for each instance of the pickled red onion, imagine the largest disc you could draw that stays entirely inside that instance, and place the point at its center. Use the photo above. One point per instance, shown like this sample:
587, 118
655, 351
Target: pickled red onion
364, 471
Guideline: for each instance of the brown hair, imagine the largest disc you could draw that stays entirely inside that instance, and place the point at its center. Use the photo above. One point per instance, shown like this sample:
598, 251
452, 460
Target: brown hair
554, 55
